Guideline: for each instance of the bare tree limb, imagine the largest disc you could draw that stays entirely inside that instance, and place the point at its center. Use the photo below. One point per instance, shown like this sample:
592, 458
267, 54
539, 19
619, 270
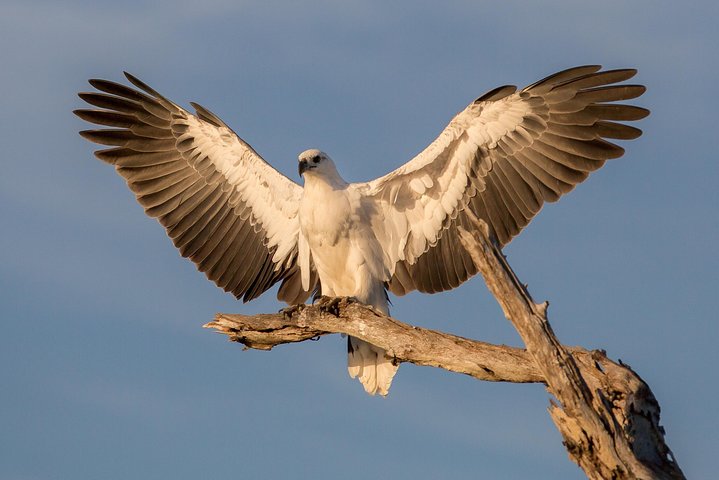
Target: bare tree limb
600, 436
406, 343
607, 414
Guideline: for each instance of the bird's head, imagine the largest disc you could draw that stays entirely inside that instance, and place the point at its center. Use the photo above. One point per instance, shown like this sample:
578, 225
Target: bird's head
315, 162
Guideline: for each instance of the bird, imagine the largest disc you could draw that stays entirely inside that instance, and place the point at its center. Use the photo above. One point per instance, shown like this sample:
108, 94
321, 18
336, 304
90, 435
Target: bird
249, 227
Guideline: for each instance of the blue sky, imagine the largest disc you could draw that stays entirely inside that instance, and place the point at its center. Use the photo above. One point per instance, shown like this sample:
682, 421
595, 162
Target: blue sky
104, 368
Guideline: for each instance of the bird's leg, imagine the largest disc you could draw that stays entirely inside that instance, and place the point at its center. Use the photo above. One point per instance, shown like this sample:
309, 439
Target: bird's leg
290, 311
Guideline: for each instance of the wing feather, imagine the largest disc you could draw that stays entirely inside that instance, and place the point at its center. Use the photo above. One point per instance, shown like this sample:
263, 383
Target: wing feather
499, 160
221, 204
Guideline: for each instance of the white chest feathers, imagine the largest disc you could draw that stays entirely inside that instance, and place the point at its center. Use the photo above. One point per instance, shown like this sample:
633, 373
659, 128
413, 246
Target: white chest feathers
326, 214
341, 243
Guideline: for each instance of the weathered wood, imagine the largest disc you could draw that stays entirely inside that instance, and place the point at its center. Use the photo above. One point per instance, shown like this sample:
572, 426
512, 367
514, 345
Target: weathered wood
406, 343
605, 438
607, 414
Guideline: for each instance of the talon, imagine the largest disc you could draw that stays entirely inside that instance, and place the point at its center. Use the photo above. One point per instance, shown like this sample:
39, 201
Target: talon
290, 311
330, 304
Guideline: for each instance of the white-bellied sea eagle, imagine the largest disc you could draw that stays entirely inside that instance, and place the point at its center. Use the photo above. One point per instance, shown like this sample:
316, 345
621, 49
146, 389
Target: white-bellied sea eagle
247, 227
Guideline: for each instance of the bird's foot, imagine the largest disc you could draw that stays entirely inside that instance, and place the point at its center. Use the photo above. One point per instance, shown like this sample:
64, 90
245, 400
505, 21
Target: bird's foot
331, 304
292, 310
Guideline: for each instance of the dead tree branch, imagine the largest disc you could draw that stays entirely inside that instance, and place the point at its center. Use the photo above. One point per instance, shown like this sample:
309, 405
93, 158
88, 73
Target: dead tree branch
496, 363
607, 415
611, 430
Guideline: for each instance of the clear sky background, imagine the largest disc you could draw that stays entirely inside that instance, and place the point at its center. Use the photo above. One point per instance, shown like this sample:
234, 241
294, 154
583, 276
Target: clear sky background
104, 369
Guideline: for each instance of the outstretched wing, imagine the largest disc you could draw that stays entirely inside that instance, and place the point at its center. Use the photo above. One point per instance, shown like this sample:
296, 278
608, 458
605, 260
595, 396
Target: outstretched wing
222, 205
498, 160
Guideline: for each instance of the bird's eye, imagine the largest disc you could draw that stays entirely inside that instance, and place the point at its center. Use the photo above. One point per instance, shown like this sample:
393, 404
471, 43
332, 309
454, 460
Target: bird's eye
316, 159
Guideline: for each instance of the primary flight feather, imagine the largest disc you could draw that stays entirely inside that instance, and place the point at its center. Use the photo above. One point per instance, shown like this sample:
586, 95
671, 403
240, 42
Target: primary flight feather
247, 227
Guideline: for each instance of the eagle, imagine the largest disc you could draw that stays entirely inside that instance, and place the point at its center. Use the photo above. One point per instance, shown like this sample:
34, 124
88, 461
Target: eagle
248, 227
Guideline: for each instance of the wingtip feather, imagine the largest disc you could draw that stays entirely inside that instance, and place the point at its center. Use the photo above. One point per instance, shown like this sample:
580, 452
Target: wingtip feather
142, 85
87, 134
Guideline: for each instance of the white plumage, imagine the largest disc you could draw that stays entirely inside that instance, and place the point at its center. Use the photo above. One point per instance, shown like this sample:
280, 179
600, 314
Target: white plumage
248, 227
336, 224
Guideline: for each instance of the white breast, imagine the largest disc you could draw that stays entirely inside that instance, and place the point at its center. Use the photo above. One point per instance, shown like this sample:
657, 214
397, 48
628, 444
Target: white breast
341, 243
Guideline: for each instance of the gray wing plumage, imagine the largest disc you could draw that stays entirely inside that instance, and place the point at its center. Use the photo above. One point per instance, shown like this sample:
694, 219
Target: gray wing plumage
222, 205
499, 160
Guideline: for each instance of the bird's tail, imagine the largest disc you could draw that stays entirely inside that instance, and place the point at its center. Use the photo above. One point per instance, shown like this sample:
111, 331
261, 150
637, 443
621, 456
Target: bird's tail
370, 365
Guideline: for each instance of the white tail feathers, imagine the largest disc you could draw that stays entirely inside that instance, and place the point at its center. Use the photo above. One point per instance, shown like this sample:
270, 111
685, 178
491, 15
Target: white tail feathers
370, 365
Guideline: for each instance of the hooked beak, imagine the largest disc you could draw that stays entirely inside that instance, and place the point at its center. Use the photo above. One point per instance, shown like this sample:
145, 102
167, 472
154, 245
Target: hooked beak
303, 167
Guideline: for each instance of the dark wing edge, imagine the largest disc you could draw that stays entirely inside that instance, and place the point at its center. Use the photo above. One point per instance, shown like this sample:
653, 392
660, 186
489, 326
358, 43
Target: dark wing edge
562, 136
176, 165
